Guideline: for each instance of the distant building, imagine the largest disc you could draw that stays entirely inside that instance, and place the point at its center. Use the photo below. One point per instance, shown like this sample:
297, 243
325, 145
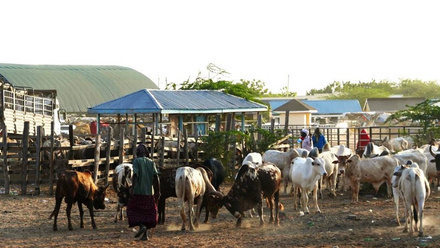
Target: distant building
391, 104
307, 112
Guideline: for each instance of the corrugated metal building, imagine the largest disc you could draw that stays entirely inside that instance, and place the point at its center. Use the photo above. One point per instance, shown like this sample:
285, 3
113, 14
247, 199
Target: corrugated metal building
78, 87
178, 107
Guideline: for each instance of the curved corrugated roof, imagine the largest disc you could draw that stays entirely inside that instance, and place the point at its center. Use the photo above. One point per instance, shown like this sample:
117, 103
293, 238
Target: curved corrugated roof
177, 102
78, 86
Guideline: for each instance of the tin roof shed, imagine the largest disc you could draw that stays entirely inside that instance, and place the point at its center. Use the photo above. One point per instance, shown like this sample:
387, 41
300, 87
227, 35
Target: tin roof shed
177, 102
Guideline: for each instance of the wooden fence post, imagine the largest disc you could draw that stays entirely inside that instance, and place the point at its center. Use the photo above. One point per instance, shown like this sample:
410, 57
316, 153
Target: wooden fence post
121, 145
52, 165
24, 161
97, 157
185, 147
5, 160
107, 154
162, 151
38, 159
197, 144
71, 141
178, 147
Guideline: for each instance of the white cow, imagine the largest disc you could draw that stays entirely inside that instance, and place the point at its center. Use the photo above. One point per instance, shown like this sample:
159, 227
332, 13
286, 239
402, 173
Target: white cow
255, 158
395, 183
414, 155
414, 189
372, 170
332, 169
191, 186
396, 144
282, 160
305, 174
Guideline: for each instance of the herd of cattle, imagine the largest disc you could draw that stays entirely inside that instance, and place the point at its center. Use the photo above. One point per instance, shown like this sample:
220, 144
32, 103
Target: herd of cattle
406, 172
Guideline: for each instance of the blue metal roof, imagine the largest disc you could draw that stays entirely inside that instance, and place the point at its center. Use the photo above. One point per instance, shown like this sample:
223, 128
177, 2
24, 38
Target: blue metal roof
334, 106
176, 102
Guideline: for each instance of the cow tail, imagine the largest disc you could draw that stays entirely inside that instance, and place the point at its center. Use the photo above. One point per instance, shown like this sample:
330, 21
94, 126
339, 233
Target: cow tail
52, 214
413, 184
182, 185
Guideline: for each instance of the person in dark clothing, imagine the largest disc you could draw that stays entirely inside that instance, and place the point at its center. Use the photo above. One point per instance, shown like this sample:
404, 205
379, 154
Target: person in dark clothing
318, 139
142, 207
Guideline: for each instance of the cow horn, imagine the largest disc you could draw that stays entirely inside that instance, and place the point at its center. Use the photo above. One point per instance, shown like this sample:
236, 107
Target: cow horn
430, 151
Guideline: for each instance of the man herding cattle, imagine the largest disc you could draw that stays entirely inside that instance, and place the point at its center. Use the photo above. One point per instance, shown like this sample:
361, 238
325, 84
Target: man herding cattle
142, 207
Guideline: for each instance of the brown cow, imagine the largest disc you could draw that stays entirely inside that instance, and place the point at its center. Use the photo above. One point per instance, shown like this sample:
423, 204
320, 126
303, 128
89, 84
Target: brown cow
78, 187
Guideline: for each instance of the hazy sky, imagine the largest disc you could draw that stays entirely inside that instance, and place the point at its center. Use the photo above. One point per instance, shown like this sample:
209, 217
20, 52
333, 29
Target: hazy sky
303, 44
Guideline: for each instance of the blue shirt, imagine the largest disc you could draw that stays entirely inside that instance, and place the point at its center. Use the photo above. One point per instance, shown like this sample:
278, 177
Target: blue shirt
320, 142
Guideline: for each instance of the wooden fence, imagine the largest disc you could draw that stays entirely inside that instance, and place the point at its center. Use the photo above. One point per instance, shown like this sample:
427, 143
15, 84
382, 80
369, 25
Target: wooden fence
26, 161
23, 159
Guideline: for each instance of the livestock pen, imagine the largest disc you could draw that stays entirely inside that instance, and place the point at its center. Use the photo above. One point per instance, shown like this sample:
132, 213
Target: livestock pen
26, 161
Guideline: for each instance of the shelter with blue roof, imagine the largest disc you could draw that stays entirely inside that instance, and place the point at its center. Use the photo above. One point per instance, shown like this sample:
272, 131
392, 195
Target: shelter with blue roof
194, 109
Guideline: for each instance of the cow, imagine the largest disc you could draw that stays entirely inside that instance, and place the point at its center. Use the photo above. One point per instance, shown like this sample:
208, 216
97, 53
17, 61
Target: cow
372, 150
253, 157
168, 185
218, 171
250, 187
342, 153
395, 183
414, 155
414, 189
395, 145
372, 170
167, 177
282, 161
122, 183
191, 187
331, 167
78, 187
305, 174
436, 157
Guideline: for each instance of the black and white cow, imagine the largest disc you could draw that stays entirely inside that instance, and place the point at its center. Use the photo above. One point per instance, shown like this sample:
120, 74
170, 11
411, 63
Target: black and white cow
251, 186
122, 183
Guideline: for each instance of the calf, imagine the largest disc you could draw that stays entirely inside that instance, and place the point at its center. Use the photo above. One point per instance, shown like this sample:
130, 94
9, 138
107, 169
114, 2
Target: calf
251, 186
79, 187
121, 181
305, 174
372, 170
191, 186
414, 189
282, 161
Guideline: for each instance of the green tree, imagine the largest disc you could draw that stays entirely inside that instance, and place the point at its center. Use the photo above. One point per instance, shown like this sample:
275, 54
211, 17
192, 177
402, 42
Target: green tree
418, 88
426, 114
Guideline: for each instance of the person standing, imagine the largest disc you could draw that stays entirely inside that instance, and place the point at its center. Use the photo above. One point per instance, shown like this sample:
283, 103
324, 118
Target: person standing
142, 207
306, 140
364, 139
318, 139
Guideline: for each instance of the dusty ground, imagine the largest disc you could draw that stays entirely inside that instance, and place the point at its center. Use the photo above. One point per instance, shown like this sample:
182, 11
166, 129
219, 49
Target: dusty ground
24, 223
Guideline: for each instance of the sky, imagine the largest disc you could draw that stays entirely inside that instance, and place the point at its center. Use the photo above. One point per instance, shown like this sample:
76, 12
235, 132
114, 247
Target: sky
300, 45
